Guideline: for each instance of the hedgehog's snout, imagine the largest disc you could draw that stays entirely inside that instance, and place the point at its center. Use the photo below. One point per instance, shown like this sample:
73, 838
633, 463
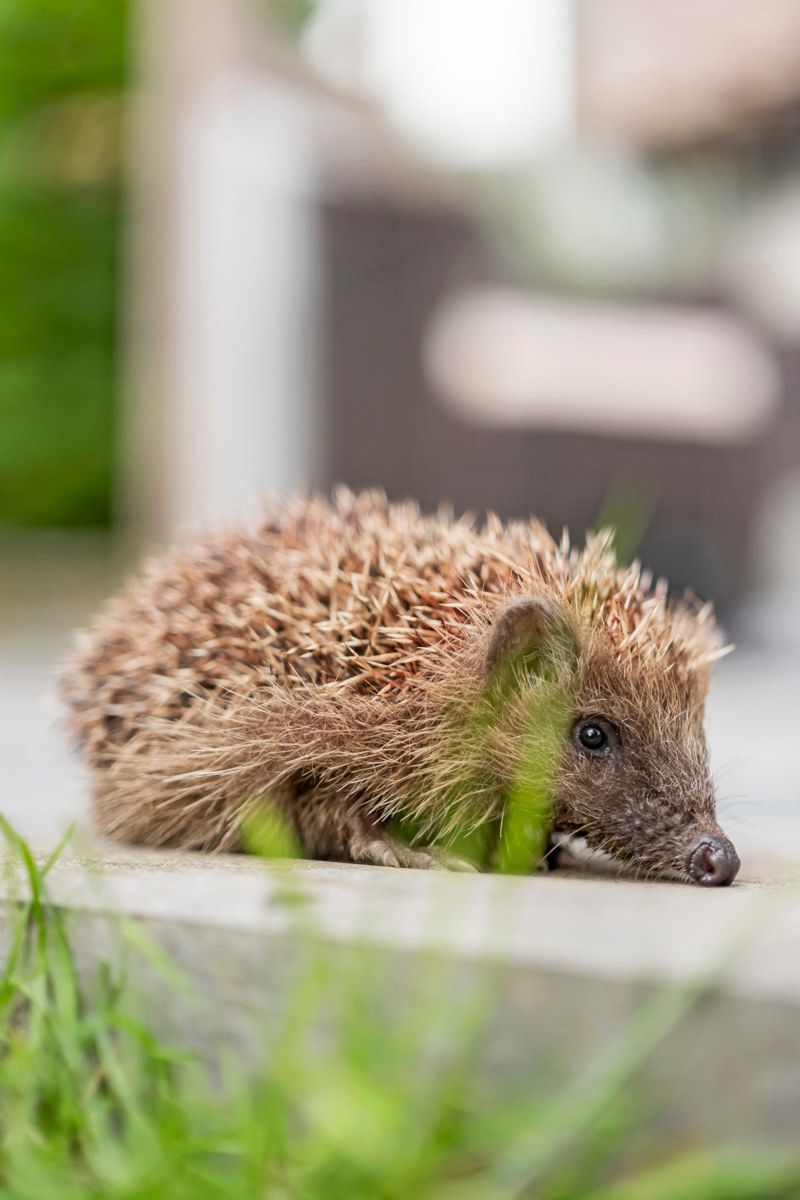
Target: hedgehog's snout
712, 861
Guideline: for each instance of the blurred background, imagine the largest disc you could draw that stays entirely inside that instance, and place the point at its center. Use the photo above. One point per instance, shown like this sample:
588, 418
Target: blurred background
539, 258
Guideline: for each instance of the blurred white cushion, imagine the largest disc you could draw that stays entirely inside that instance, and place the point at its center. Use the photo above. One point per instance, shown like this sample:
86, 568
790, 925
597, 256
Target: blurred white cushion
506, 359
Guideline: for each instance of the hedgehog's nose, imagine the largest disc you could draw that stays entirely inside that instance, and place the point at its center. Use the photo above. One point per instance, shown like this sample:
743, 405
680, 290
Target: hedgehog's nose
712, 861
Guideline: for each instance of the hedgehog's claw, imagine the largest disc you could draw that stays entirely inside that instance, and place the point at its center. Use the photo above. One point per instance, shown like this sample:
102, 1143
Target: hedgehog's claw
431, 858
376, 853
375, 848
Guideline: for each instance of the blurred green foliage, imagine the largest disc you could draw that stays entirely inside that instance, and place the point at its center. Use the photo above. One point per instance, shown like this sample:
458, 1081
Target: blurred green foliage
62, 73
292, 14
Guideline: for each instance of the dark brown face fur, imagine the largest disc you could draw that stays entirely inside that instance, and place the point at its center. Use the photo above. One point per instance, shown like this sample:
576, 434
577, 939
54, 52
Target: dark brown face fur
633, 775
635, 778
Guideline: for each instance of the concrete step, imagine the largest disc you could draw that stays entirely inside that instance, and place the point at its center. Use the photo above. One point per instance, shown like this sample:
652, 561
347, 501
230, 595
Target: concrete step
570, 959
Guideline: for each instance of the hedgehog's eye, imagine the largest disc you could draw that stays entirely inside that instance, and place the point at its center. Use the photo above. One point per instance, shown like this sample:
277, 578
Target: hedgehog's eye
592, 735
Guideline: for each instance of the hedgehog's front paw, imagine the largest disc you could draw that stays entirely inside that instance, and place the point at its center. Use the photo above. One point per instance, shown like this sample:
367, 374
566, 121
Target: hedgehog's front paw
369, 844
373, 852
383, 852
430, 858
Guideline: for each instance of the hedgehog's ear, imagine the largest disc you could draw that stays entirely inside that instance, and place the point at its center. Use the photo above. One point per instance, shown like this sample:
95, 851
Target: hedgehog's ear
533, 632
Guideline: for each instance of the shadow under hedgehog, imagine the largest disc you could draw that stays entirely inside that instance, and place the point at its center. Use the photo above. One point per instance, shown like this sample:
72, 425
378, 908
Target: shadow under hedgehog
355, 661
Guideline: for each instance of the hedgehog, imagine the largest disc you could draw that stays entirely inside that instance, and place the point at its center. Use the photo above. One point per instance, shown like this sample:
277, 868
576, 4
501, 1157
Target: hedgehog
366, 668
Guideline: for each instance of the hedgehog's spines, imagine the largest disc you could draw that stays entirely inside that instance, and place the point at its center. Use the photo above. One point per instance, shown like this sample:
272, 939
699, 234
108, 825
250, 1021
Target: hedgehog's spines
324, 634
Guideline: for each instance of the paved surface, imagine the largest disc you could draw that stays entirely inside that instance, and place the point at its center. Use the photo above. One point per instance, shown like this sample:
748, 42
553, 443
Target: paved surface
47, 589
658, 932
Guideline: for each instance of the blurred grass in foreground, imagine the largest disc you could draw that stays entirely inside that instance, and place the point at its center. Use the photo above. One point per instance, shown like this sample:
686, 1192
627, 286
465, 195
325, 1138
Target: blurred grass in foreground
96, 1104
